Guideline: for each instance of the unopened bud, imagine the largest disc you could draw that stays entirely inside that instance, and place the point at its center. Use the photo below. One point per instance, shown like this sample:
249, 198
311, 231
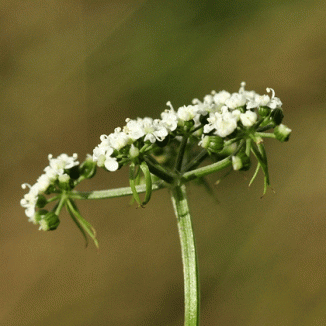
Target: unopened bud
64, 181
41, 201
264, 111
241, 162
49, 222
88, 168
277, 116
213, 144
282, 132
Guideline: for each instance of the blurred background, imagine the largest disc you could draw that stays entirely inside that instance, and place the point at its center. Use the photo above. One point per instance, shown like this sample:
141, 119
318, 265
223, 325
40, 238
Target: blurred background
73, 70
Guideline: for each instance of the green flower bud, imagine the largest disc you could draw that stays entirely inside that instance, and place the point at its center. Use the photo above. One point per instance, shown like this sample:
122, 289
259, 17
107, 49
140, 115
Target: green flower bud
241, 162
64, 182
264, 111
228, 150
213, 144
88, 168
73, 172
282, 132
41, 201
49, 222
277, 116
51, 189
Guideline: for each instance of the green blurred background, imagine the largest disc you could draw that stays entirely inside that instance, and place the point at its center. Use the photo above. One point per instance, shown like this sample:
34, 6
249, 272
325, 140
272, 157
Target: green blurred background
73, 70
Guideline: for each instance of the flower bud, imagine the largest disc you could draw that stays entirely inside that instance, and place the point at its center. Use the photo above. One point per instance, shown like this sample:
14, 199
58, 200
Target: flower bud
264, 111
228, 150
241, 162
88, 168
49, 222
51, 189
213, 144
64, 182
282, 132
74, 172
133, 152
41, 201
277, 116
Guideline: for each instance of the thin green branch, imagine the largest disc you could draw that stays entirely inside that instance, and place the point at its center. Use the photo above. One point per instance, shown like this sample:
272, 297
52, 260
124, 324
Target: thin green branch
212, 168
158, 170
112, 193
196, 161
265, 134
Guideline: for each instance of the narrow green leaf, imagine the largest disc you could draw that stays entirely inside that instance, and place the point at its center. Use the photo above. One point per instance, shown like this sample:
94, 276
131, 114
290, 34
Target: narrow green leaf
255, 174
262, 159
148, 182
132, 181
85, 225
78, 224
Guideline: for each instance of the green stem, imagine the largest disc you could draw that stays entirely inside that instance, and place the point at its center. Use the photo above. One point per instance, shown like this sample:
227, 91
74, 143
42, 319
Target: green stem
265, 135
196, 161
112, 193
158, 170
181, 153
201, 172
189, 257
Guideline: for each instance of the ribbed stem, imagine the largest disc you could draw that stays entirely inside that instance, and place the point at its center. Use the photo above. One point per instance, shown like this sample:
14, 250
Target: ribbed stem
189, 256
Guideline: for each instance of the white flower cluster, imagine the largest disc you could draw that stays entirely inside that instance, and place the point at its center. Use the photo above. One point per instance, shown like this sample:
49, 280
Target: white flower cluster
224, 113
53, 172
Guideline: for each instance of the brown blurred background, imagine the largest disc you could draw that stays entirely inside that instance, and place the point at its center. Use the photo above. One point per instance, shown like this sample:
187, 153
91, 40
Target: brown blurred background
73, 70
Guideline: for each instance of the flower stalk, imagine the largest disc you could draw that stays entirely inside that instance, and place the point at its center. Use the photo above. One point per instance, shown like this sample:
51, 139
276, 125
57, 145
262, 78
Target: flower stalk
189, 255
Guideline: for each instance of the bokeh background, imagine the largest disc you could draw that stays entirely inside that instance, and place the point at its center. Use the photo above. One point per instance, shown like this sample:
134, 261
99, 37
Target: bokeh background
73, 70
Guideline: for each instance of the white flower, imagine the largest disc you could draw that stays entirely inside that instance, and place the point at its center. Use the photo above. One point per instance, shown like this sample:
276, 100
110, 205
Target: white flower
29, 201
134, 128
187, 113
220, 98
275, 102
265, 100
169, 118
44, 181
235, 101
119, 139
111, 163
154, 130
224, 123
62, 162
50, 173
248, 118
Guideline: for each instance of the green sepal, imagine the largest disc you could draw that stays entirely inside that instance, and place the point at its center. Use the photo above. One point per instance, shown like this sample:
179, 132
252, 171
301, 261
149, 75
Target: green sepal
82, 224
148, 182
133, 173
